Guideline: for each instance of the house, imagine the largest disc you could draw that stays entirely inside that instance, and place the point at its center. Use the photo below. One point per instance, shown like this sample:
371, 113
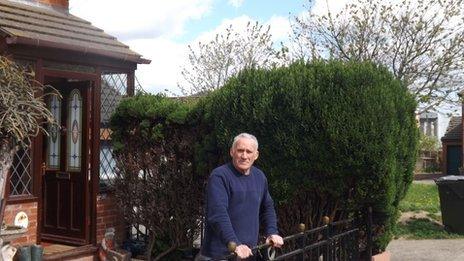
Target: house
452, 147
428, 124
428, 159
56, 183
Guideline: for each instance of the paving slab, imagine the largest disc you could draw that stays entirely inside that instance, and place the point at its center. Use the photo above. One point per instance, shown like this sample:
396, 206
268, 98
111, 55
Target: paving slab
427, 250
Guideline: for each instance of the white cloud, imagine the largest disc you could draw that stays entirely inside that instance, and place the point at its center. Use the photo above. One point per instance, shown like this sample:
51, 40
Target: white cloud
150, 28
145, 19
280, 28
169, 57
236, 3
321, 7
164, 71
238, 23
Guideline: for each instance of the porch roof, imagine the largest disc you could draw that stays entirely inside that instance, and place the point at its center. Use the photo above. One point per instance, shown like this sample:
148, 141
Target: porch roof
42, 27
454, 130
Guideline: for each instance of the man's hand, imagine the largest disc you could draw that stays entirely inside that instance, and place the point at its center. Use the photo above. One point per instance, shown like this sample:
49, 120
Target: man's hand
243, 251
275, 240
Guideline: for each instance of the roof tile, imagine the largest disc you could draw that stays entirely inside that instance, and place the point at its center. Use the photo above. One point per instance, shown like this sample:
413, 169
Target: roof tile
40, 25
454, 130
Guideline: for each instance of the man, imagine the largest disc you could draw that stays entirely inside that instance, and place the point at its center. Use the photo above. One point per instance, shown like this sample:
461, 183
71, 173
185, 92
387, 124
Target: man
237, 200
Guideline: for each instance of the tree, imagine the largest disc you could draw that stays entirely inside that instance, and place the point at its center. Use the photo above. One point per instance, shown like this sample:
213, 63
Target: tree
428, 143
22, 115
211, 64
421, 42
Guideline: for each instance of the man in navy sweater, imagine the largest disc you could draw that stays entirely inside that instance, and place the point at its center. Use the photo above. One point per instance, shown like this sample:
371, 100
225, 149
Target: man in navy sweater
237, 201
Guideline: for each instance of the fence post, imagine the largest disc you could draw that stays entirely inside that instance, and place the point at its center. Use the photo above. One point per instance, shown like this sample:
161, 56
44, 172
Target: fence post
355, 239
327, 256
301, 242
369, 233
231, 246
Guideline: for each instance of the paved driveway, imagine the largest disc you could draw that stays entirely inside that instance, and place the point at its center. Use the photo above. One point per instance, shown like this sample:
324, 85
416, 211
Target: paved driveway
427, 250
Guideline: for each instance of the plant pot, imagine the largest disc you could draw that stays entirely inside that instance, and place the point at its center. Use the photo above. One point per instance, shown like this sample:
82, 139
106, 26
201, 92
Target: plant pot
385, 256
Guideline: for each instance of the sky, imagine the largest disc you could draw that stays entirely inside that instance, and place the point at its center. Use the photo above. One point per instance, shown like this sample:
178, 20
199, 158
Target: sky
162, 30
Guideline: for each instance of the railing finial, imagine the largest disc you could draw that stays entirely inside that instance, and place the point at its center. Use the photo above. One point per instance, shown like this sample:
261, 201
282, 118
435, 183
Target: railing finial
302, 227
231, 246
326, 220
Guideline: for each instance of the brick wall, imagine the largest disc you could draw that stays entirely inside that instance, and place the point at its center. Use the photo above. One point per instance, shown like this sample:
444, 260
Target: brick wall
31, 211
108, 216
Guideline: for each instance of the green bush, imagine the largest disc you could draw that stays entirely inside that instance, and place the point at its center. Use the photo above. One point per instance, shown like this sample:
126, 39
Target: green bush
334, 138
155, 183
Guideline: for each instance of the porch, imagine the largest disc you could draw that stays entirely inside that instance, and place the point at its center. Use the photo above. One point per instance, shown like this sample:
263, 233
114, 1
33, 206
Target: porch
57, 186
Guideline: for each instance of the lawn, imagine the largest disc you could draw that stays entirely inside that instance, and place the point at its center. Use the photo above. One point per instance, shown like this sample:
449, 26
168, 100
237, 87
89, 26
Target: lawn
421, 216
421, 197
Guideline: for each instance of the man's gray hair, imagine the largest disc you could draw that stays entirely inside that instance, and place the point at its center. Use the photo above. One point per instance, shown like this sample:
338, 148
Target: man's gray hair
246, 136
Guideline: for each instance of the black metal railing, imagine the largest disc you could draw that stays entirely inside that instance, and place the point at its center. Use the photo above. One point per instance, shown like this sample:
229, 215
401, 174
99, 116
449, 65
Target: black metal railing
333, 241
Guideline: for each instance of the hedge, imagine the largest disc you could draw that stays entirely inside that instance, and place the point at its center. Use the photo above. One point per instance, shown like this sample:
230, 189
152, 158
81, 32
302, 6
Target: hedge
335, 138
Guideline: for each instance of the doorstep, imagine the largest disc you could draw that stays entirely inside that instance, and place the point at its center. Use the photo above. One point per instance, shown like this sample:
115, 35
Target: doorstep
83, 253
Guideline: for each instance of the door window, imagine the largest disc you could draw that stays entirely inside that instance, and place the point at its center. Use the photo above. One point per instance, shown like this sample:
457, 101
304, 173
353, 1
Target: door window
74, 131
53, 139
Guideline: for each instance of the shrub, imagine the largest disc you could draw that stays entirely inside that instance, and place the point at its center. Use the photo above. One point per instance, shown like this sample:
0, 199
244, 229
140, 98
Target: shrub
23, 114
334, 138
155, 185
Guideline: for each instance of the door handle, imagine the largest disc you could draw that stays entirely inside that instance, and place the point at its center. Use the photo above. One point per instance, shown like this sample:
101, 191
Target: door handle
44, 168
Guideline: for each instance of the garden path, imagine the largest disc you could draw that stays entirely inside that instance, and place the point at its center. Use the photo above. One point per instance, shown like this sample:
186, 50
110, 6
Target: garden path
427, 250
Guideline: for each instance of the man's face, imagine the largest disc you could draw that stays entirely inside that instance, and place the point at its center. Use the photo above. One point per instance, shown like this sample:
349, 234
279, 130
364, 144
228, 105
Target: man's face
244, 154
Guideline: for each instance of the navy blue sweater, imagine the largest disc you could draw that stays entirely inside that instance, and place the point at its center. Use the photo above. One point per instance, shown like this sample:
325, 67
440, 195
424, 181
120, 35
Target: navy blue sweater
235, 205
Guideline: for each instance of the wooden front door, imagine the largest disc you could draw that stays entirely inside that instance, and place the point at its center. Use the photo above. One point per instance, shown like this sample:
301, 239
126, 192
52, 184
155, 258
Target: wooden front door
65, 203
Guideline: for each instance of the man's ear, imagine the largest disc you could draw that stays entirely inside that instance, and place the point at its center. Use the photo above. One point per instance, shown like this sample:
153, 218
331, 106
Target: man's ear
231, 152
256, 155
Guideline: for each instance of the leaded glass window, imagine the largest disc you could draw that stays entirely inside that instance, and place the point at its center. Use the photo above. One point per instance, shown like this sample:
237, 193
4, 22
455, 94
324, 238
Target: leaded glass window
113, 89
74, 131
53, 139
21, 173
21, 180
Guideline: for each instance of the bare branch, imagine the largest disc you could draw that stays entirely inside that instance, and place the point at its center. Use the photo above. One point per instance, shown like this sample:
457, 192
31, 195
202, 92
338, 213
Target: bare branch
212, 64
421, 42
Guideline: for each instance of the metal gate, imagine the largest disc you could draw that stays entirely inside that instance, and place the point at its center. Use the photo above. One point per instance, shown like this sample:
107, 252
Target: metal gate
334, 241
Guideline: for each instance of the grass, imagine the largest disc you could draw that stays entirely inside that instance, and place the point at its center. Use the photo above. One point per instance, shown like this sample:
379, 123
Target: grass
423, 228
423, 198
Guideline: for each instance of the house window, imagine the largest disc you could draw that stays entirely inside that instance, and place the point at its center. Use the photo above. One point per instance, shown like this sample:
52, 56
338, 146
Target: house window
74, 132
113, 89
21, 173
53, 139
21, 182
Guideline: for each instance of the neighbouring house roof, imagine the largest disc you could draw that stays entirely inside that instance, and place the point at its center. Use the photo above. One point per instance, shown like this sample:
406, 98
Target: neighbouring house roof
37, 26
454, 130
428, 115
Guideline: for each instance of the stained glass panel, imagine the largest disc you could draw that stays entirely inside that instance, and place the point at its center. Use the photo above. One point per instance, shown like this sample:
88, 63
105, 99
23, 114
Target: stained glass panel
53, 139
74, 131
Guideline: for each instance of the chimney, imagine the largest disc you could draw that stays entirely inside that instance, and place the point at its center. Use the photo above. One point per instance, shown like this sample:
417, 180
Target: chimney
61, 5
